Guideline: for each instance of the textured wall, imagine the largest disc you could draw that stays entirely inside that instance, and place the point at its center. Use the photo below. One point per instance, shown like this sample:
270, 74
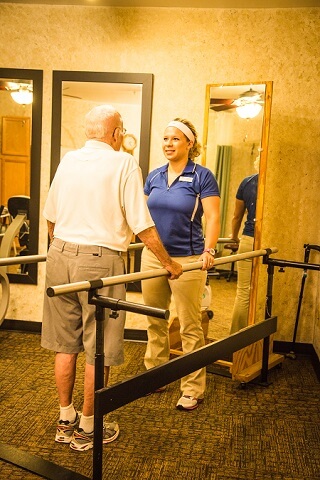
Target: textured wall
185, 49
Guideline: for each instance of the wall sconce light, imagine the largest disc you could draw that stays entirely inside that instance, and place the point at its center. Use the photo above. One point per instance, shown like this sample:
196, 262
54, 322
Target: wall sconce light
249, 110
23, 96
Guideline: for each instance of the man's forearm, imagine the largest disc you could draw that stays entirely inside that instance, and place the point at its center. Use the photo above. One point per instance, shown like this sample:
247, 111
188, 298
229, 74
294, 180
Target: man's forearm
50, 230
151, 239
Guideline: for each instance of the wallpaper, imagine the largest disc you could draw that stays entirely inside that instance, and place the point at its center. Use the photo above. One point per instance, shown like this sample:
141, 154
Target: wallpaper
186, 49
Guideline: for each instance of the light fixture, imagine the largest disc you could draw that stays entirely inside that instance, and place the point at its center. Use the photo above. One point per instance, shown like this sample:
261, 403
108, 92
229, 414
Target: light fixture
23, 96
249, 110
247, 106
249, 97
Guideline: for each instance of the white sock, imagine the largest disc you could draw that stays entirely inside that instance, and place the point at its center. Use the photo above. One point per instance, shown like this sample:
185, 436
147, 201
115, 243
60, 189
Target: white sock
68, 413
86, 423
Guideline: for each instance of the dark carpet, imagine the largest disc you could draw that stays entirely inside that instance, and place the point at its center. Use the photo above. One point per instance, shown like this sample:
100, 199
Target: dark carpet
251, 433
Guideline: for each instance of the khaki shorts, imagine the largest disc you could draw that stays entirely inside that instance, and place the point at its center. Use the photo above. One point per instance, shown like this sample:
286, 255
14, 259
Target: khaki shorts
69, 324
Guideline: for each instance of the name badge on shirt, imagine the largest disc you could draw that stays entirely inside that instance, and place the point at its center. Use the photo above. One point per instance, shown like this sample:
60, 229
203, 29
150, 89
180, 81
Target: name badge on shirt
185, 179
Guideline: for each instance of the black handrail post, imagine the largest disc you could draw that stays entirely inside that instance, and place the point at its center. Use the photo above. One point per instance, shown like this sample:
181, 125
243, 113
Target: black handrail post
303, 281
268, 311
101, 303
265, 361
98, 384
270, 271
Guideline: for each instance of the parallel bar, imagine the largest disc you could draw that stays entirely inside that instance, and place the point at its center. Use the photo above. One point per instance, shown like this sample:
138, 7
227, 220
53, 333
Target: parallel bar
226, 240
22, 260
118, 395
288, 263
109, 399
42, 258
139, 246
133, 277
117, 304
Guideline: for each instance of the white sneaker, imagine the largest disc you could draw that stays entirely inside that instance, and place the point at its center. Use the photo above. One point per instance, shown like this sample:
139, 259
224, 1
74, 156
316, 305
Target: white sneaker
187, 402
82, 441
65, 429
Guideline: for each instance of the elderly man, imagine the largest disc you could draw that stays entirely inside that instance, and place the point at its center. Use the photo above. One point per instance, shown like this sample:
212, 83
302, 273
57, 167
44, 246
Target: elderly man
94, 204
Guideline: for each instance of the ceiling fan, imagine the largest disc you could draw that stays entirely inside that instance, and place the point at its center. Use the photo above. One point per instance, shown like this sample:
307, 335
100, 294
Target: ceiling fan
15, 85
69, 95
245, 98
20, 90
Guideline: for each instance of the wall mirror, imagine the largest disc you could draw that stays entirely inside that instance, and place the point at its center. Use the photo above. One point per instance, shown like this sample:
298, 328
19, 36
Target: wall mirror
75, 93
235, 143
20, 140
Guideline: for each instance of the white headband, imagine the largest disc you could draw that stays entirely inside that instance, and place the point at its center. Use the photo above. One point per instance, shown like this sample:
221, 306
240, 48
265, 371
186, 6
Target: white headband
184, 129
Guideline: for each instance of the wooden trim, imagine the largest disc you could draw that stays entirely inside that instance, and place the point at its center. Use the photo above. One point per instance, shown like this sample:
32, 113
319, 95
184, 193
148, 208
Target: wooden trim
205, 125
260, 201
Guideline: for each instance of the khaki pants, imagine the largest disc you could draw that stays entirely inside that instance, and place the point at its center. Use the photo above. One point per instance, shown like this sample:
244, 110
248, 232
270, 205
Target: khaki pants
241, 304
187, 293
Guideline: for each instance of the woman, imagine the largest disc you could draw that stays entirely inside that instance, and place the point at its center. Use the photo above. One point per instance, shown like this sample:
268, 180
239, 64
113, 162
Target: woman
179, 194
246, 199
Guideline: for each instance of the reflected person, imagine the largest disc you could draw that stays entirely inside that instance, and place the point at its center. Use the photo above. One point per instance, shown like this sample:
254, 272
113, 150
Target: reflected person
179, 194
94, 204
246, 199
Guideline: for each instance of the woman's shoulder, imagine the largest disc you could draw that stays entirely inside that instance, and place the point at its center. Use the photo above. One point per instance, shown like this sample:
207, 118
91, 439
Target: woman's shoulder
248, 179
156, 171
206, 181
203, 169
205, 174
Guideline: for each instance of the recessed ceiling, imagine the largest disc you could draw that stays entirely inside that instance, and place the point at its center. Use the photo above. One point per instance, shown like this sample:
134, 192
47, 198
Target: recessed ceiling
179, 3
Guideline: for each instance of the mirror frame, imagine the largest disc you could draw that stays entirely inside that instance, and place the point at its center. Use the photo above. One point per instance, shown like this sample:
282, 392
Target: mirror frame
260, 200
31, 277
146, 79
262, 177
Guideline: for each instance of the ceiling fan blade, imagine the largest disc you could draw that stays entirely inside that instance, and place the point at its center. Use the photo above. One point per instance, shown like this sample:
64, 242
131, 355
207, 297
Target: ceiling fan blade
221, 101
71, 96
221, 108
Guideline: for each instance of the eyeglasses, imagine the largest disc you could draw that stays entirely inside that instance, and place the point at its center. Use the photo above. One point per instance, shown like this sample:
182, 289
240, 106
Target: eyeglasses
122, 130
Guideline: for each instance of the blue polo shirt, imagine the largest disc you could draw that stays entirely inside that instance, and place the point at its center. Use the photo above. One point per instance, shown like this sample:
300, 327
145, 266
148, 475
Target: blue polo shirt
177, 210
247, 192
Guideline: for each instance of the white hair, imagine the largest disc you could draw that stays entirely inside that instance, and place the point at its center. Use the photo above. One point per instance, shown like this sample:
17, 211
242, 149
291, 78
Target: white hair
95, 121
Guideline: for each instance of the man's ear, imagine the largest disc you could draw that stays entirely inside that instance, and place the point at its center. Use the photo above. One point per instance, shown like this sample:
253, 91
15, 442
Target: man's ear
113, 138
116, 134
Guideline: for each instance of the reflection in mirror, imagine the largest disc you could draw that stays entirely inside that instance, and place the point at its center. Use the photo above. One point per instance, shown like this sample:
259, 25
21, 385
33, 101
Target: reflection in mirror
20, 140
75, 93
234, 142
79, 97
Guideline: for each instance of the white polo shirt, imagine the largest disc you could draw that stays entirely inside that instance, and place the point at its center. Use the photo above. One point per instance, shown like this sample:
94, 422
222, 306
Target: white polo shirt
96, 197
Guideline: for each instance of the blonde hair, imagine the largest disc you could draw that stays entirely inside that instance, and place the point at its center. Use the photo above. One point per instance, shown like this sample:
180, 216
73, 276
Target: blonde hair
195, 150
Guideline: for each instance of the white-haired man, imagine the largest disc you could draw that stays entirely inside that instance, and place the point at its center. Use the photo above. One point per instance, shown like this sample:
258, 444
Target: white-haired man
94, 204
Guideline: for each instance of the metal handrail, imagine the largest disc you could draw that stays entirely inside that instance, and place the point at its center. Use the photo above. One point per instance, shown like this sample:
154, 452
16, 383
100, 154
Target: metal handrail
133, 277
27, 259
42, 258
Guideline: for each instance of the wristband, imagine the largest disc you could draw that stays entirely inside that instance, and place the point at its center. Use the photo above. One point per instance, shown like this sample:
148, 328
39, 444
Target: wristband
210, 250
